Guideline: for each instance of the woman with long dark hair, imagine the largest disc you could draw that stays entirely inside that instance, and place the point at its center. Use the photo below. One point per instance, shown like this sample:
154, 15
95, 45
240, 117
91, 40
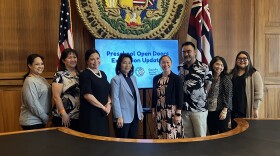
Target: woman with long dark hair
247, 87
219, 99
36, 95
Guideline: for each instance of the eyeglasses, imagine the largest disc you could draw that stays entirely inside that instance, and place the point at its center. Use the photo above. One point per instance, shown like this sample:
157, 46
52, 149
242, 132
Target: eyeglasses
242, 59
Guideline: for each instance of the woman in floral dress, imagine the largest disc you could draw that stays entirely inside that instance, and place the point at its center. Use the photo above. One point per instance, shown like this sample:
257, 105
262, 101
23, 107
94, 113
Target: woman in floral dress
167, 102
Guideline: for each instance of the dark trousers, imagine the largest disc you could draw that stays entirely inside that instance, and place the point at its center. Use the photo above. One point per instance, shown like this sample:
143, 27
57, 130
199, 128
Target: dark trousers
74, 123
129, 130
215, 125
37, 126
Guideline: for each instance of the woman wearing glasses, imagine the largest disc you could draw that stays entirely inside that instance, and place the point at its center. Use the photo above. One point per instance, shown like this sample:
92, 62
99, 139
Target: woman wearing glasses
247, 87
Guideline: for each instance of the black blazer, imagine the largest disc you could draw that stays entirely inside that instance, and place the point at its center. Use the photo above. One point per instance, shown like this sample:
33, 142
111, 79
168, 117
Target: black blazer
173, 93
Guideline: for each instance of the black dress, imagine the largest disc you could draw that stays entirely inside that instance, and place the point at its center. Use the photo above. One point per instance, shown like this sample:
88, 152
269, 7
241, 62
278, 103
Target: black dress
239, 99
92, 119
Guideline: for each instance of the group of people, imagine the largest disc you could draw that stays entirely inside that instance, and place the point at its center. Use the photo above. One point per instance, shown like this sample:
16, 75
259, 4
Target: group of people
179, 104
82, 100
204, 98
200, 98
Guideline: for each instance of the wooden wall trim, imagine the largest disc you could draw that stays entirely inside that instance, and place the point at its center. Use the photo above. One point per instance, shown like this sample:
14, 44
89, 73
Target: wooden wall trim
19, 75
271, 81
16, 78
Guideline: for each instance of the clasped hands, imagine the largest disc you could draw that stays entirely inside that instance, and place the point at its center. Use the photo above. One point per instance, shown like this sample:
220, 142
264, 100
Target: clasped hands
107, 108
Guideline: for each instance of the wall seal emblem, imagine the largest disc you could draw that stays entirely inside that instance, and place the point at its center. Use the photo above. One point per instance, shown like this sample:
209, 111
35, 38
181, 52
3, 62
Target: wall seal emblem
141, 19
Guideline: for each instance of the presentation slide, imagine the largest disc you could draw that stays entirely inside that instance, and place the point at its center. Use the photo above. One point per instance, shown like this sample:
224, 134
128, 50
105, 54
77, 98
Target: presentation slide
145, 55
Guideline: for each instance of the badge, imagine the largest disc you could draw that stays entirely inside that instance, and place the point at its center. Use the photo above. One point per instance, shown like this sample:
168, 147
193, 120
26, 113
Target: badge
139, 19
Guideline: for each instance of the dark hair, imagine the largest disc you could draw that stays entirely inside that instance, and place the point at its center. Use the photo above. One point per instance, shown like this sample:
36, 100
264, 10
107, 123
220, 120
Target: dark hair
188, 43
89, 52
29, 61
119, 62
214, 60
162, 57
64, 55
250, 69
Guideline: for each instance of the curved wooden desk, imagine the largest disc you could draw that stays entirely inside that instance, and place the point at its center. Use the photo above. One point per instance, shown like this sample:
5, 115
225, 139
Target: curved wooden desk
251, 137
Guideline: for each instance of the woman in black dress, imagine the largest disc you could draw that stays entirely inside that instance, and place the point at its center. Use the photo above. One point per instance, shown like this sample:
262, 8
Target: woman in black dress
95, 97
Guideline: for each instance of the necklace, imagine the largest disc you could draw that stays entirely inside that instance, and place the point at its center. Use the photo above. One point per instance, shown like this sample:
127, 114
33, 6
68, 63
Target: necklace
99, 75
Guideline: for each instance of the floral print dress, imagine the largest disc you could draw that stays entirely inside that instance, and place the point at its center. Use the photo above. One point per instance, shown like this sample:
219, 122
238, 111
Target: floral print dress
165, 125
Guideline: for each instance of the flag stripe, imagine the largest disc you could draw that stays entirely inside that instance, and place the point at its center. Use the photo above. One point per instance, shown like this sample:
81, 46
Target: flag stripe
65, 28
200, 30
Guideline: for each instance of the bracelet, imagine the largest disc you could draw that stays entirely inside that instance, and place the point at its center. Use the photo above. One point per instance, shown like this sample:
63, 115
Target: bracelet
224, 112
61, 111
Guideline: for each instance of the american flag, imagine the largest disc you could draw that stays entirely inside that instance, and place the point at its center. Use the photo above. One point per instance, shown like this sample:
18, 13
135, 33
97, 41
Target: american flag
200, 30
65, 28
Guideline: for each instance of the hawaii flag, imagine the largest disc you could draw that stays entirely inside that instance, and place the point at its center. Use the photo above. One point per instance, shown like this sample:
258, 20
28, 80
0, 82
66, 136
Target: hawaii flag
65, 28
200, 30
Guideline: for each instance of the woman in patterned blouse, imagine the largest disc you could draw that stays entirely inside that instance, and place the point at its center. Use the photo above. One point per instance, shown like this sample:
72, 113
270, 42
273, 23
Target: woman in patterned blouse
66, 91
219, 98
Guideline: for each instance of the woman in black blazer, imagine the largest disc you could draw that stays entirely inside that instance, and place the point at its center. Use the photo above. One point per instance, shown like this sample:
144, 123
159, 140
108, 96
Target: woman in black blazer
167, 102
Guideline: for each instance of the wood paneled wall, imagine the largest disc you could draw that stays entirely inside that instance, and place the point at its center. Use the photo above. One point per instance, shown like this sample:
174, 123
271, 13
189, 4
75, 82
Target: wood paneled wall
9, 109
29, 26
32, 26
233, 27
267, 53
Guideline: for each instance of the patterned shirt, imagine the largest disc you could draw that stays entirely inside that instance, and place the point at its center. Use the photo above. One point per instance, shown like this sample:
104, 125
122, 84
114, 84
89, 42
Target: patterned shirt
195, 79
70, 93
220, 94
213, 94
